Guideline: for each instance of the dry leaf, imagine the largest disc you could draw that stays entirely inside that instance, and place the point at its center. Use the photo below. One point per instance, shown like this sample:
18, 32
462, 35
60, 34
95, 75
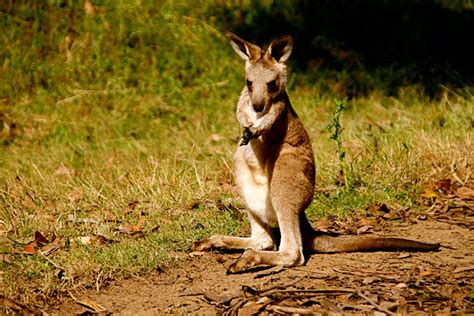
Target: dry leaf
463, 269
428, 192
363, 229
378, 209
52, 247
425, 271
369, 280
444, 185
29, 248
92, 240
323, 225
40, 239
131, 230
197, 253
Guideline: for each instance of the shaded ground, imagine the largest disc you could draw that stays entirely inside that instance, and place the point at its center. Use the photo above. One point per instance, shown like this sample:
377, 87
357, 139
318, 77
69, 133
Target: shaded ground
356, 282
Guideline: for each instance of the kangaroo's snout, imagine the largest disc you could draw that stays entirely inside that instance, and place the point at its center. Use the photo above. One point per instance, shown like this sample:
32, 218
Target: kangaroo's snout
258, 107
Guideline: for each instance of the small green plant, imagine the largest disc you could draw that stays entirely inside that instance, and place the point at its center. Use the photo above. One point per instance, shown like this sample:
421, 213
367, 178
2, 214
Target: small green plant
336, 128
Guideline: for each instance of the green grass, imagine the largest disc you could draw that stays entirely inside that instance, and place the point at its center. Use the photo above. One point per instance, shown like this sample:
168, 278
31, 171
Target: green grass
106, 121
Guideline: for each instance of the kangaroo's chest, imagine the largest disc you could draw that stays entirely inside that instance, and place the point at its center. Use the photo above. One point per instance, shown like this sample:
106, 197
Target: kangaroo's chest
257, 161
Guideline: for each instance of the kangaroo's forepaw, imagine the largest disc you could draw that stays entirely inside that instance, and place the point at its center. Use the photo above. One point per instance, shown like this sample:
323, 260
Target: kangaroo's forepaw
202, 245
249, 259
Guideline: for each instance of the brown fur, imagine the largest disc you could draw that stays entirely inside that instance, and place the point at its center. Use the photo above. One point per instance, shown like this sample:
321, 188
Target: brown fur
275, 171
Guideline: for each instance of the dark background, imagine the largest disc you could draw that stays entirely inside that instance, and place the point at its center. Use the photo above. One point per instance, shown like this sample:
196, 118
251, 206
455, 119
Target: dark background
368, 44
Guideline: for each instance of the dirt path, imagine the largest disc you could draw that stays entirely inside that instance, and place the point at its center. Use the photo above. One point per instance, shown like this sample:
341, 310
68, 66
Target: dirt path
356, 282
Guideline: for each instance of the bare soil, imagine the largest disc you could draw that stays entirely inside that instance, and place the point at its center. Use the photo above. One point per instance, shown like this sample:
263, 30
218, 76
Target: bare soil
386, 282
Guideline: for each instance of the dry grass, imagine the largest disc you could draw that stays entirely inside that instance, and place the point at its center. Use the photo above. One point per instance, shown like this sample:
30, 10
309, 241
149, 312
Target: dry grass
135, 145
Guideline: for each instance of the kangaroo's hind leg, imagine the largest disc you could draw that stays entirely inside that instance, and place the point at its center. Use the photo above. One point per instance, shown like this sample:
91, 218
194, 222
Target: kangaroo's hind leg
288, 208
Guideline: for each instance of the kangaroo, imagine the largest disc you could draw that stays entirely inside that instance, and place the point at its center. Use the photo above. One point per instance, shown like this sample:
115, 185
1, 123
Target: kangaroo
275, 172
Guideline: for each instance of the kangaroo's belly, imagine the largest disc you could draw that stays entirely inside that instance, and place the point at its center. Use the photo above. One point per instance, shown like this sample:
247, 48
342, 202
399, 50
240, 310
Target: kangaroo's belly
253, 183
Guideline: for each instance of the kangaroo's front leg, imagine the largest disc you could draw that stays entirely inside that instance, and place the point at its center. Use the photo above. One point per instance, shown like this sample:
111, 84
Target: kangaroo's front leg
260, 239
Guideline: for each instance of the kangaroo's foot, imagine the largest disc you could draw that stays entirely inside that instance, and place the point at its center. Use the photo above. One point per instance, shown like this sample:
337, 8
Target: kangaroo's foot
252, 258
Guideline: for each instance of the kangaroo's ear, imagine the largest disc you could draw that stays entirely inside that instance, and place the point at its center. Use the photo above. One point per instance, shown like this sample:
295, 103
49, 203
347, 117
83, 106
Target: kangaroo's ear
280, 48
245, 50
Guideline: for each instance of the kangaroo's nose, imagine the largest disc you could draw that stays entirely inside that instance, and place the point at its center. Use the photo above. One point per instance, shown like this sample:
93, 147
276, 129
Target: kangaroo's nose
258, 107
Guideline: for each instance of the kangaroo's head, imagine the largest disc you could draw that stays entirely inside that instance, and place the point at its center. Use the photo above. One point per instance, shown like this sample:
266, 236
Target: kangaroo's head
265, 70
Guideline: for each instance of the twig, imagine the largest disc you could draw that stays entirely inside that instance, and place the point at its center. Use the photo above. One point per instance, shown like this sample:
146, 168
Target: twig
97, 280
272, 271
271, 288
290, 310
453, 172
319, 291
57, 266
377, 306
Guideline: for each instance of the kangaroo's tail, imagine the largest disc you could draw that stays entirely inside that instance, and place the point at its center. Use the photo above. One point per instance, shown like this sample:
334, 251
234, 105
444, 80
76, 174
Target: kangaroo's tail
330, 244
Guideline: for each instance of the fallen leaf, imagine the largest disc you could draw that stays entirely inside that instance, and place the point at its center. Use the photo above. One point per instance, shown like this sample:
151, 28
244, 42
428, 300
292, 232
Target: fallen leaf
197, 253
29, 248
425, 271
40, 239
378, 209
363, 229
20, 308
135, 230
444, 185
463, 269
428, 192
92, 240
391, 216
52, 247
369, 280
323, 225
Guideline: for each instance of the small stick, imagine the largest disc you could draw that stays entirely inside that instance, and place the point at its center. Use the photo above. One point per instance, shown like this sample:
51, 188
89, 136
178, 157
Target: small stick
57, 266
377, 306
453, 172
291, 310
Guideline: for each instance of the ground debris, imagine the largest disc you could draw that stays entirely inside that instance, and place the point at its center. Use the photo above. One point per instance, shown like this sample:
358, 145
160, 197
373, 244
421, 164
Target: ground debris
379, 283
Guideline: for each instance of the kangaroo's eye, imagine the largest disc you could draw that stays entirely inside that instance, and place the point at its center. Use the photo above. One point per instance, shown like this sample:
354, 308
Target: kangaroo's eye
272, 86
249, 85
